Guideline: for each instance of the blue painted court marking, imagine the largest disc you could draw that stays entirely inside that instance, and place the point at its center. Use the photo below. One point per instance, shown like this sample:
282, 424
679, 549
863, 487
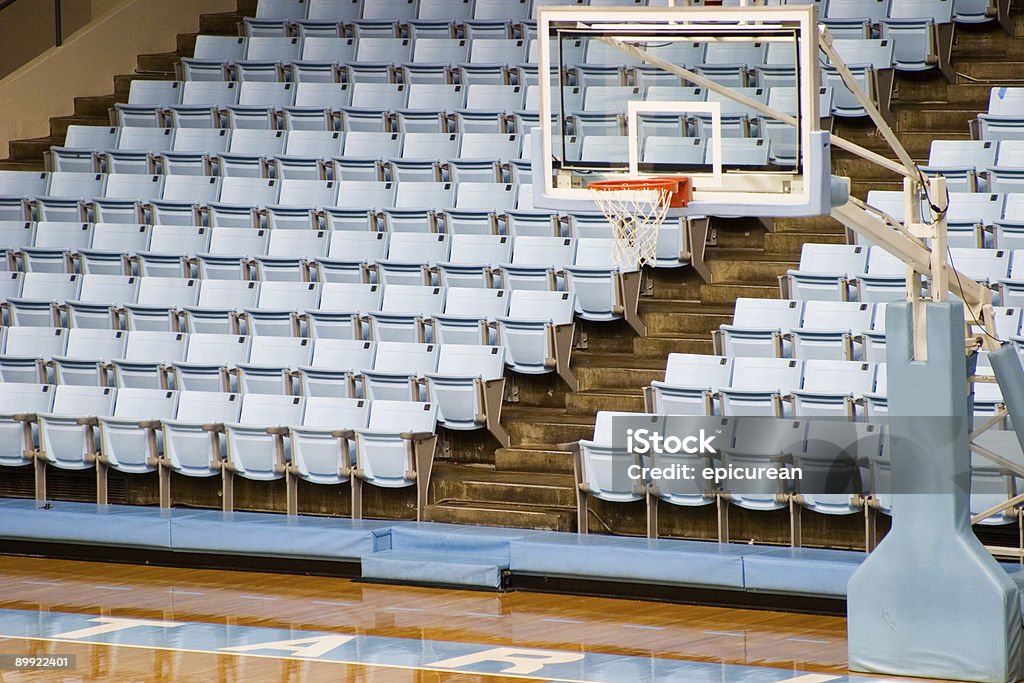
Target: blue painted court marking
562, 666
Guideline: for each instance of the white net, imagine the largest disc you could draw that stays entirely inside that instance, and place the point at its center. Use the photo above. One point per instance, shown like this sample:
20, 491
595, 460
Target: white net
635, 216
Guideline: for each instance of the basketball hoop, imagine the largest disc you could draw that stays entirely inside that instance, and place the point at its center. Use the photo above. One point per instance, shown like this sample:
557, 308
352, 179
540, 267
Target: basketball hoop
636, 209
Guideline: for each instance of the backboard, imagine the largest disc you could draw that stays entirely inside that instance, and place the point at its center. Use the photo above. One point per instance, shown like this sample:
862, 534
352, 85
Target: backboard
728, 96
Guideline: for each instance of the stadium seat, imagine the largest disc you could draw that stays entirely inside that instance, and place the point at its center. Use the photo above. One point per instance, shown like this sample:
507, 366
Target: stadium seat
537, 333
760, 327
67, 433
691, 386
129, 439
255, 444
759, 386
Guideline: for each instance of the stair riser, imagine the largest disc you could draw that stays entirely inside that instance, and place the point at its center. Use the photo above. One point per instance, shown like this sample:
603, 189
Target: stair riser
96, 106
734, 269
161, 63
544, 434
607, 337
589, 404
683, 324
792, 243
59, 125
224, 24
550, 521
537, 391
526, 460
726, 295
993, 70
487, 492
660, 347
616, 378
953, 121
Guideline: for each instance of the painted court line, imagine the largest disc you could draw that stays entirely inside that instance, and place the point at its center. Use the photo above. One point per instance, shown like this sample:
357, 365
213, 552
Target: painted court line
481, 660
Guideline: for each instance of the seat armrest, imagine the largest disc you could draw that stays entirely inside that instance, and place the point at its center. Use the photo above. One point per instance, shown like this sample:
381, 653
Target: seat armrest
150, 424
87, 421
277, 431
213, 427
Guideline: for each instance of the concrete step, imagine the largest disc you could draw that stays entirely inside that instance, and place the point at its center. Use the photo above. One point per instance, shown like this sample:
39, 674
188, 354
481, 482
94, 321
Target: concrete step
158, 62
660, 347
994, 70
671, 317
32, 150
747, 266
98, 106
484, 485
545, 427
790, 243
511, 516
533, 460
16, 165
59, 124
726, 293
591, 401
922, 118
960, 94
809, 224
681, 284
123, 82
220, 24
617, 371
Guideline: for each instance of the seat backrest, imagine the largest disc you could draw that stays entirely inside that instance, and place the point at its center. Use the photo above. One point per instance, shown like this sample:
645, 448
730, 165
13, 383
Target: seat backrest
26, 398
543, 251
156, 347
981, 264
743, 52
698, 370
487, 362
406, 357
556, 307
430, 195
881, 262
422, 247
271, 409
856, 9
289, 295
851, 377
837, 315
1006, 101
335, 413
70, 399
351, 296
228, 293
770, 436
40, 342
975, 207
845, 259
977, 153
416, 299
343, 354
290, 352
775, 374
220, 349
210, 140
939, 11
84, 342
860, 440
481, 249
194, 188
410, 416
471, 301
52, 286
249, 191
145, 404
74, 184
366, 193
865, 52
771, 314
208, 407
322, 95
168, 291
112, 289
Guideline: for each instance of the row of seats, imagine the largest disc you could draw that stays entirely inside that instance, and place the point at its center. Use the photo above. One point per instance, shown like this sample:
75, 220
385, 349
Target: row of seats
1004, 119
974, 219
845, 467
977, 165
842, 273
206, 434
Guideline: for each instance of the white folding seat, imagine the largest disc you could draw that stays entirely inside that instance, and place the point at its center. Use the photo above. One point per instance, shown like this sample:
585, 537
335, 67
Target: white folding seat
473, 257
146, 355
335, 10
495, 197
603, 468
537, 332
25, 183
311, 193
254, 451
274, 313
239, 200
220, 301
885, 279
40, 292
328, 49
19, 403
208, 94
334, 362
536, 262
129, 439
272, 360
663, 149
349, 253
829, 328
26, 350
833, 388
159, 303
410, 254
397, 370
272, 49
984, 265
970, 213
478, 171
374, 49
342, 305
425, 195
143, 116
192, 443
604, 290
224, 48
320, 453
111, 245
265, 94
440, 50
759, 385
84, 137
77, 160
193, 70
208, 360
991, 484
270, 28
467, 315
403, 311
400, 434
181, 239
959, 162
67, 435
692, 384
837, 453
922, 31
467, 386
436, 96
826, 271
16, 235
433, 146
99, 298
769, 444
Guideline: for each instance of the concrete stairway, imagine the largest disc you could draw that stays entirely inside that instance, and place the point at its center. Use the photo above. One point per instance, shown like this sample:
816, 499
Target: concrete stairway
530, 484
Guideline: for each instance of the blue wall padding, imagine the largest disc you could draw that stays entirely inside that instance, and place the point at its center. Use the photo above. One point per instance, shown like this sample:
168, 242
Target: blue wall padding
812, 571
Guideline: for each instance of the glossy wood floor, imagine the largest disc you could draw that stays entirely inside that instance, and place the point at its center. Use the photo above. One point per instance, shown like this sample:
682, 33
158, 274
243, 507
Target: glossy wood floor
578, 624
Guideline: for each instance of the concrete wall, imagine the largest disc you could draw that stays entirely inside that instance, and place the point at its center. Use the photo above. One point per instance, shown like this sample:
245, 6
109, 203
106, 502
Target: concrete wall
89, 58
27, 30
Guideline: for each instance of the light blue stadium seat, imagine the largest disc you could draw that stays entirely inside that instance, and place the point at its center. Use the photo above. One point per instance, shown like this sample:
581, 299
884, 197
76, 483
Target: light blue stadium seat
467, 387
691, 385
473, 258
410, 254
536, 262
67, 434
398, 369
959, 162
695, 492
207, 361
469, 314
885, 279
763, 443
130, 439
922, 31
272, 362
193, 443
146, 356
19, 404
760, 385
825, 271
828, 330
761, 327
256, 447
537, 333
403, 311
604, 290
833, 388
396, 449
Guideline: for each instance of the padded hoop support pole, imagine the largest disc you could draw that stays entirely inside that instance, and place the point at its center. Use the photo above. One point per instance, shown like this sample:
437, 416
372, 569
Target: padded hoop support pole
930, 601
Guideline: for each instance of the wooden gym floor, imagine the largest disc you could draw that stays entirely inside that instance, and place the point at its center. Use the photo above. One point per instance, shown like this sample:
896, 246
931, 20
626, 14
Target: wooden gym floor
57, 607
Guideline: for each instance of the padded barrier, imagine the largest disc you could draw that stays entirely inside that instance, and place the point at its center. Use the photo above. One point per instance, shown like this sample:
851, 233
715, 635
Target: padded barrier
441, 568
809, 571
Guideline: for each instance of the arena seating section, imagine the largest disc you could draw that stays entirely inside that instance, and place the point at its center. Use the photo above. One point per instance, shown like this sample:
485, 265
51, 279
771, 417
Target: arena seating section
313, 254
